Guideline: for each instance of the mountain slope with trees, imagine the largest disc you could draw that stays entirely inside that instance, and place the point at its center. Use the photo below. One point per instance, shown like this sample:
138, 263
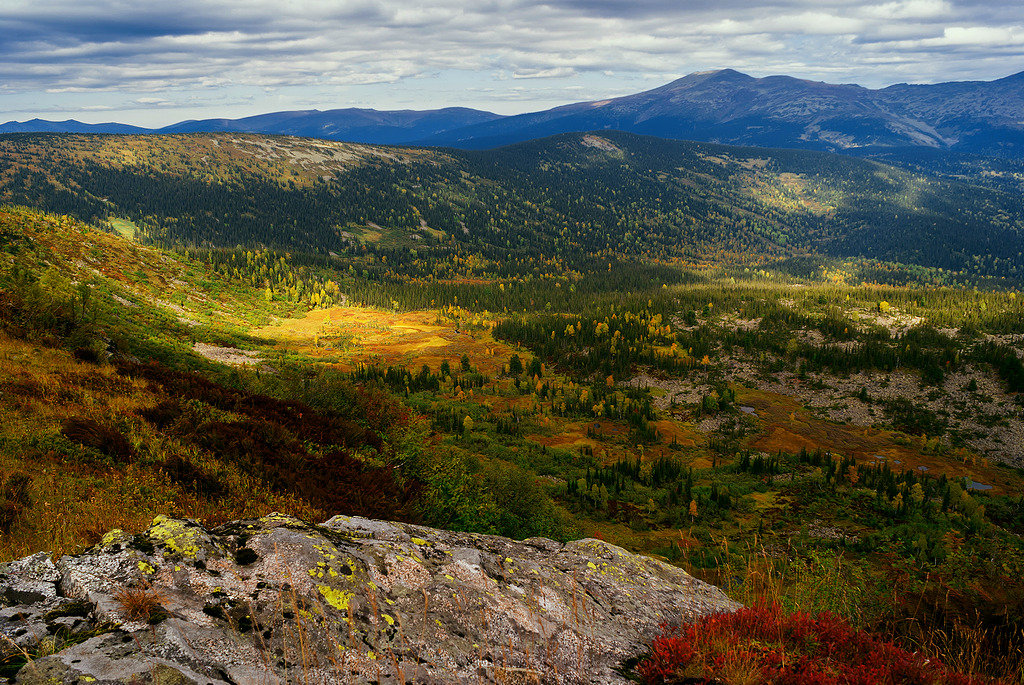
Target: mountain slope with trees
597, 335
572, 197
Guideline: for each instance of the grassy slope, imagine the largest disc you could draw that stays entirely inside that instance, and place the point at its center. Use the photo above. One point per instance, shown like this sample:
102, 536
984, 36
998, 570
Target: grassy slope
49, 374
77, 494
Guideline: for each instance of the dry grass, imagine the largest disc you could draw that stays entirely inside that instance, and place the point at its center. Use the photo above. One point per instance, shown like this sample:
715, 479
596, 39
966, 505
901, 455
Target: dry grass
67, 499
139, 603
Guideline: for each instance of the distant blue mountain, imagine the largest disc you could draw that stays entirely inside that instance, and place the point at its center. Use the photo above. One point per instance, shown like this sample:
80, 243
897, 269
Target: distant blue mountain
780, 111
68, 126
356, 125
726, 106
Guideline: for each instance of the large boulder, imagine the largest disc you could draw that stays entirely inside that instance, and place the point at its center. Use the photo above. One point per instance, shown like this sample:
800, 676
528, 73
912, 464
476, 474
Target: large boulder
353, 600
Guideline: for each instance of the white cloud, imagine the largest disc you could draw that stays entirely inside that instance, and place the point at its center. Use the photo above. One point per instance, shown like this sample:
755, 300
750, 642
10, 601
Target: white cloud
909, 9
555, 72
980, 36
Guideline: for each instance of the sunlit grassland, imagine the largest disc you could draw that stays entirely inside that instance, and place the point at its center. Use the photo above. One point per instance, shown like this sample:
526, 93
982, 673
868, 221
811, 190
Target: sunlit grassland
124, 227
367, 335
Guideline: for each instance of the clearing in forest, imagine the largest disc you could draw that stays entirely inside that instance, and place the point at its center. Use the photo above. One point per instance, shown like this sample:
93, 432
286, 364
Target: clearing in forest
359, 335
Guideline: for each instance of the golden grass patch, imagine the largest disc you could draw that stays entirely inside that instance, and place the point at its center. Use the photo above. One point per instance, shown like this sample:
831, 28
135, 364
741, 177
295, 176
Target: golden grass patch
363, 335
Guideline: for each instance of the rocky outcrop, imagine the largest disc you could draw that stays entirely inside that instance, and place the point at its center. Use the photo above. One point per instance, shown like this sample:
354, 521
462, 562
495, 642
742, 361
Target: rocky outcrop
353, 600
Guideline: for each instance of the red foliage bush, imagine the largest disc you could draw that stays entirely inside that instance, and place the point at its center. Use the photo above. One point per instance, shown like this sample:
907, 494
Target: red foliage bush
764, 645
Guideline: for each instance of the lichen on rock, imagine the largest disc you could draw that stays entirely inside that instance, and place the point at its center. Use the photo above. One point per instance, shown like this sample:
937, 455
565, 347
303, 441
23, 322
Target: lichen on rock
353, 600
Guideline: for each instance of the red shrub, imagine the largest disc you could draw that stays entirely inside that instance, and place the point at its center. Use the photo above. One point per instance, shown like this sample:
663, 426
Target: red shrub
763, 645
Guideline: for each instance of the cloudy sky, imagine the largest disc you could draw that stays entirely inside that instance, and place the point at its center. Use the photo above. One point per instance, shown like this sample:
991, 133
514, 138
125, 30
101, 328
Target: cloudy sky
154, 62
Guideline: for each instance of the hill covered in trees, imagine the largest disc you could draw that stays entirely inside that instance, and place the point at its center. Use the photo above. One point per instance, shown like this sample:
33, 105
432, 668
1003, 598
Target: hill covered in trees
571, 198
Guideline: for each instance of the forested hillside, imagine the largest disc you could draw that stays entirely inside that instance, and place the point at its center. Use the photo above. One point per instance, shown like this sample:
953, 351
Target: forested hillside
571, 198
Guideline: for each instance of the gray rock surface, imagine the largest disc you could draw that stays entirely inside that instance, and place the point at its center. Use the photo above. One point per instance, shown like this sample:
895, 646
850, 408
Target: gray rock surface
33, 615
275, 600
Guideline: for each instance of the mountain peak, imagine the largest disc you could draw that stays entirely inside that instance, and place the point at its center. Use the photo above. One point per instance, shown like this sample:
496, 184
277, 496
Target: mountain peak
718, 75
723, 76
728, 74
1012, 78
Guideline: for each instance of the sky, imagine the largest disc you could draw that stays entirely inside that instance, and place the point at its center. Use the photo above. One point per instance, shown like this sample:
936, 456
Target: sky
152, 63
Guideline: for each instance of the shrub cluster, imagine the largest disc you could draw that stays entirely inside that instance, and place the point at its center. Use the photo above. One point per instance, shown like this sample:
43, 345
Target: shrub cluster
762, 644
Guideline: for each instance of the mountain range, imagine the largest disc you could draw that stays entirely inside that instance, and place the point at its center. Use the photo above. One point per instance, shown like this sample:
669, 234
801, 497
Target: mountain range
725, 106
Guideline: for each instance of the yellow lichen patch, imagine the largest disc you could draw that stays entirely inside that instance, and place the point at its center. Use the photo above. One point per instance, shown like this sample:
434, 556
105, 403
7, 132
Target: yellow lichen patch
146, 568
338, 599
175, 535
277, 516
327, 552
112, 537
389, 619
419, 541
